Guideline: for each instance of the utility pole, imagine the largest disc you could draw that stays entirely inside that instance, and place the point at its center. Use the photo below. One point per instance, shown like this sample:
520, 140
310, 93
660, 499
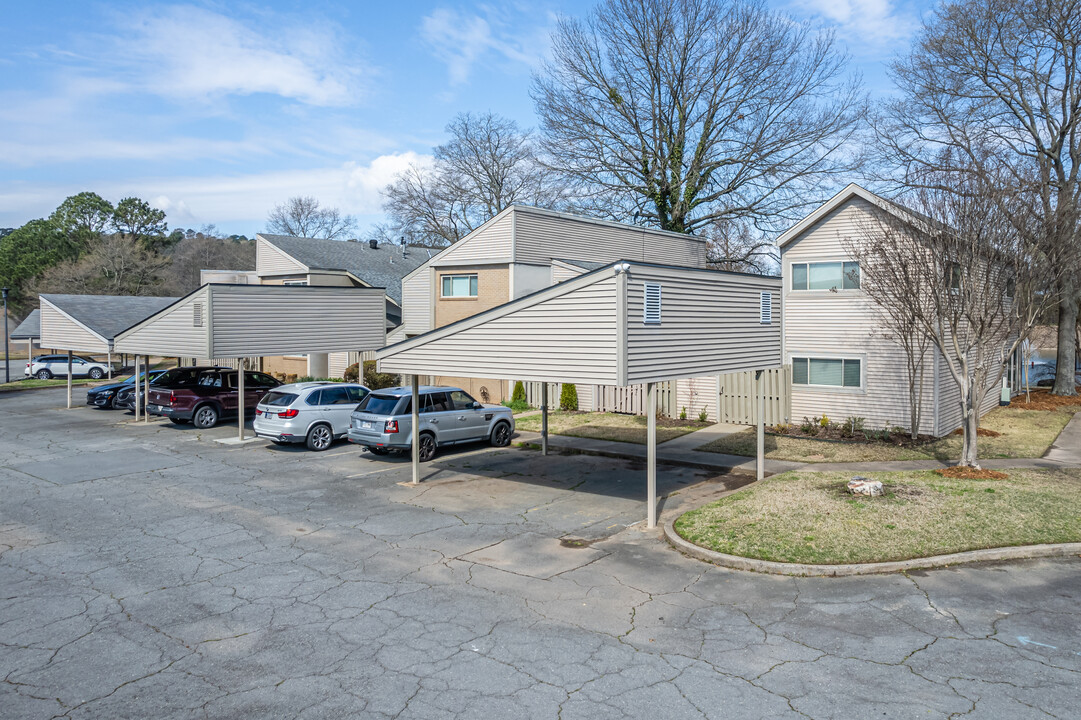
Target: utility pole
7, 361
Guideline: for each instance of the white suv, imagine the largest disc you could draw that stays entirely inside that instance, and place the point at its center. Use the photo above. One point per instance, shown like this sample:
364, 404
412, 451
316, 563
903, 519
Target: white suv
45, 367
315, 413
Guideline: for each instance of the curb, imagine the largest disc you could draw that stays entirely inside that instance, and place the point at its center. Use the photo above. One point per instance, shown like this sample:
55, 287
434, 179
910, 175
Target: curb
45, 387
735, 469
736, 562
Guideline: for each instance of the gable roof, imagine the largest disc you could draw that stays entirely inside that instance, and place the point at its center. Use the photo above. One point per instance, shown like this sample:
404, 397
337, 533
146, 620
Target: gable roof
108, 315
382, 267
850, 191
29, 328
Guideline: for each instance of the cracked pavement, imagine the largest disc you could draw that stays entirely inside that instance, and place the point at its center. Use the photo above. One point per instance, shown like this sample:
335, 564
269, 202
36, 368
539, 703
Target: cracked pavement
147, 571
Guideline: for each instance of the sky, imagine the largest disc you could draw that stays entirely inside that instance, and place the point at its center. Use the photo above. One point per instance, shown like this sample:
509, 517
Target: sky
217, 111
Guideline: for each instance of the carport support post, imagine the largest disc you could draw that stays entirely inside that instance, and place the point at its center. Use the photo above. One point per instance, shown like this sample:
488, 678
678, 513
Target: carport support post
759, 376
240, 398
651, 455
544, 418
69, 379
415, 429
136, 388
109, 363
146, 387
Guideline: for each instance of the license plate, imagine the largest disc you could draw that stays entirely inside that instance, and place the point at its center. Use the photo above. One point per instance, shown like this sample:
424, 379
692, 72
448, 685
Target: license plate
365, 425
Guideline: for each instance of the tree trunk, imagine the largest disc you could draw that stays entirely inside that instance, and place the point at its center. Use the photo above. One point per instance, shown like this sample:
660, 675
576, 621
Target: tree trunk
1066, 355
970, 426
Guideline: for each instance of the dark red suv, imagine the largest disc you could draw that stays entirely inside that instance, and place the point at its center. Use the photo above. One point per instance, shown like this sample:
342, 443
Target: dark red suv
213, 396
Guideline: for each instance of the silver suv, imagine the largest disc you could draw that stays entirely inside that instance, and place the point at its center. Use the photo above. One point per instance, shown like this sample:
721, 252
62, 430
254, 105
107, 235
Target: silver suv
314, 413
448, 415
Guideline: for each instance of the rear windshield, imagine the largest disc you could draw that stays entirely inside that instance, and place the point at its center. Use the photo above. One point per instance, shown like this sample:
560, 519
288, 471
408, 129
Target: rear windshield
378, 404
278, 399
178, 376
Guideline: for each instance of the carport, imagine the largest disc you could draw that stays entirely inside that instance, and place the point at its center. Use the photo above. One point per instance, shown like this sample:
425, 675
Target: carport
626, 323
241, 321
29, 330
90, 323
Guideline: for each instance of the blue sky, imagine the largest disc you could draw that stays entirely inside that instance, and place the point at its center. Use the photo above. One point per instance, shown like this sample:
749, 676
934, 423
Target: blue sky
217, 111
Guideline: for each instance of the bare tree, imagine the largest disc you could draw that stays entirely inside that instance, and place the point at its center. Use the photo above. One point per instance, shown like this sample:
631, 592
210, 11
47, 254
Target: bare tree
735, 246
693, 111
488, 165
205, 250
117, 265
966, 273
304, 216
1005, 75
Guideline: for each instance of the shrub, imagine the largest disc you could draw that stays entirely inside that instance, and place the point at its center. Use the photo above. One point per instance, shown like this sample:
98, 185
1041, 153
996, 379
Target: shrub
517, 405
703, 416
683, 413
824, 421
352, 373
809, 427
568, 397
519, 393
781, 428
374, 379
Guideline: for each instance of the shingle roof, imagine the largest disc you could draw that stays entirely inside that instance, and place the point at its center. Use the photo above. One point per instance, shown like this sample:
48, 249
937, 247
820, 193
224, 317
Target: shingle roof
108, 315
30, 328
382, 267
584, 264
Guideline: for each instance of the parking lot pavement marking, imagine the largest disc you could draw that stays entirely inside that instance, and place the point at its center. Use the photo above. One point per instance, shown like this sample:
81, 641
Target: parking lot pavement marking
373, 472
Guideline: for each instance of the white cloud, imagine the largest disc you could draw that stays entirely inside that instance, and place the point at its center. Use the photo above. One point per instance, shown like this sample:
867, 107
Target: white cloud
865, 22
460, 39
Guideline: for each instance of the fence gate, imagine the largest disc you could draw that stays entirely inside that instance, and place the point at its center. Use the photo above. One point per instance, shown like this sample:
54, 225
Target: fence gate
631, 399
738, 396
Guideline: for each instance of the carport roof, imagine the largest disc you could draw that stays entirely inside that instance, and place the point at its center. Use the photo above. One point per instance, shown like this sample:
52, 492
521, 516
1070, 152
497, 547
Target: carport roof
107, 315
29, 328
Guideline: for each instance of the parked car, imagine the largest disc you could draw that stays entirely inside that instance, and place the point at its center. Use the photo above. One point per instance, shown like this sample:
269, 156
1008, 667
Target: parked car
314, 413
104, 396
176, 377
45, 367
448, 415
213, 396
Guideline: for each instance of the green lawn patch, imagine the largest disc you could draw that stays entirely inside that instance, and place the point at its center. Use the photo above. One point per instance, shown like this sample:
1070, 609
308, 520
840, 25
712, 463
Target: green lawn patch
30, 383
1023, 433
810, 517
609, 426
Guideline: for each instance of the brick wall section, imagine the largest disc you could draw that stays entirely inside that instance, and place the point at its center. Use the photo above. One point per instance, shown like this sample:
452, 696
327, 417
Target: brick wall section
493, 289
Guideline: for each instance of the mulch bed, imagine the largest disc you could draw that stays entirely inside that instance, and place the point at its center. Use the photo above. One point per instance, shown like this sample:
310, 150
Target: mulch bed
1044, 400
967, 473
980, 432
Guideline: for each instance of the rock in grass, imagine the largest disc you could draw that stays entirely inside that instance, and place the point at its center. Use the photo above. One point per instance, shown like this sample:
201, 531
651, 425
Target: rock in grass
864, 486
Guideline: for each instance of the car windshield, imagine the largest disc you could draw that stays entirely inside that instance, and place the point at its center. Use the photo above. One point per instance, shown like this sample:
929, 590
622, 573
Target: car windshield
378, 404
278, 399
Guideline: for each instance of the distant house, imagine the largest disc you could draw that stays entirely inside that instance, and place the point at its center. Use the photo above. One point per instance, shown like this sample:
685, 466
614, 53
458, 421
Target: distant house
286, 260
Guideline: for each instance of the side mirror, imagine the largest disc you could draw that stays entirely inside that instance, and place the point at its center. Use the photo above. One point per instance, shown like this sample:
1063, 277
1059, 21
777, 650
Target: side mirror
477, 405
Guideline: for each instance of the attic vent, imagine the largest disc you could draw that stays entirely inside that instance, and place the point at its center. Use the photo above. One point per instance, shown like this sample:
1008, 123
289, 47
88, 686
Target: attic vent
766, 308
651, 311
197, 314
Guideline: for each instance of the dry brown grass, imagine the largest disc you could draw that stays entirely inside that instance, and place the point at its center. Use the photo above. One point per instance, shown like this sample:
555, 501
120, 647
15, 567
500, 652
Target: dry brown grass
809, 517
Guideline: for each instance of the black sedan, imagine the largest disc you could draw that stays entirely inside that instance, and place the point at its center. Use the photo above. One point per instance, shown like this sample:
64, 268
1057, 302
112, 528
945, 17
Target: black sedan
104, 396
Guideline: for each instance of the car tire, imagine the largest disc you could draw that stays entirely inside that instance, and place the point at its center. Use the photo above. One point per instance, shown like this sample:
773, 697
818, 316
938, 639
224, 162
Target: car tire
96, 374
178, 421
43, 375
319, 438
205, 416
427, 447
378, 451
500, 435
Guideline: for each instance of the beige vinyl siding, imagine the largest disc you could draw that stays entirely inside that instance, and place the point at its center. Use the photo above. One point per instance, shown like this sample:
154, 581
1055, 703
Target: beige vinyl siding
697, 394
491, 241
269, 260
417, 301
172, 332
332, 280
846, 324
562, 271
528, 279
60, 332
709, 324
337, 362
577, 330
540, 237
291, 321
949, 400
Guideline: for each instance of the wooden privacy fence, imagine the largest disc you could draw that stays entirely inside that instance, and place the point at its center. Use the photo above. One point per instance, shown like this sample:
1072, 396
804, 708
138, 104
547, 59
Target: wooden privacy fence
631, 399
533, 394
738, 396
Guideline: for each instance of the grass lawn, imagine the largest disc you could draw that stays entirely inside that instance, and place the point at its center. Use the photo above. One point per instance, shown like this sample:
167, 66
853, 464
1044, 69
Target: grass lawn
609, 426
1024, 433
810, 517
55, 382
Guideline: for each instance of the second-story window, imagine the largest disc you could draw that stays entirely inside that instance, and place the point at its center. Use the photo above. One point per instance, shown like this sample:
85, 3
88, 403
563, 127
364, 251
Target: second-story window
826, 276
455, 286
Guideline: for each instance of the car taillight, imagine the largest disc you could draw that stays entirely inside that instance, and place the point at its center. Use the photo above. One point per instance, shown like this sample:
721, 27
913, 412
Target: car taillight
391, 426
258, 411
172, 398
290, 413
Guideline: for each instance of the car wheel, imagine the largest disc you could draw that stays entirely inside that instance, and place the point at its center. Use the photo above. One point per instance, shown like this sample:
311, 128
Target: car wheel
96, 374
178, 421
319, 438
44, 375
427, 447
378, 451
206, 416
500, 435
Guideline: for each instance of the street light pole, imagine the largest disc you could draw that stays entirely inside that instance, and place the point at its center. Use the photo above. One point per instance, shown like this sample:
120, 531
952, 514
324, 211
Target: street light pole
7, 362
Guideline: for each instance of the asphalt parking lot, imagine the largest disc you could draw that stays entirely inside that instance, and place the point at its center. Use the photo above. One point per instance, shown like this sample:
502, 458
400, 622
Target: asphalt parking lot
148, 571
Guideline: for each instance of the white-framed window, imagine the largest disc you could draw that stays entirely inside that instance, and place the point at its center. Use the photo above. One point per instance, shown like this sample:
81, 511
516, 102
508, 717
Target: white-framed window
837, 275
827, 372
458, 286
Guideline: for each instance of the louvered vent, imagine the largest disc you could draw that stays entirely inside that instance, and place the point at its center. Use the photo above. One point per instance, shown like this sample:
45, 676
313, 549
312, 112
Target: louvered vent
766, 308
651, 312
197, 314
